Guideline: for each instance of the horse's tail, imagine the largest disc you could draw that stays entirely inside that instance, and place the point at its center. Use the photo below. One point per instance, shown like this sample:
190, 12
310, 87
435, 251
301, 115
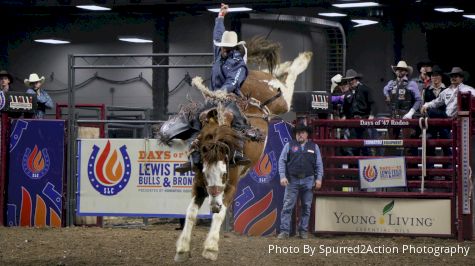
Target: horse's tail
260, 50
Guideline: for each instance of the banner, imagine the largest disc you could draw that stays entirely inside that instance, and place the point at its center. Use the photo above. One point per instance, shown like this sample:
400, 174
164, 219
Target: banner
133, 177
382, 173
383, 215
35, 180
259, 196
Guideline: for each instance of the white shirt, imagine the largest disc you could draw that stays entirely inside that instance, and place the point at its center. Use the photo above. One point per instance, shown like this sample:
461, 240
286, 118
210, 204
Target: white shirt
449, 98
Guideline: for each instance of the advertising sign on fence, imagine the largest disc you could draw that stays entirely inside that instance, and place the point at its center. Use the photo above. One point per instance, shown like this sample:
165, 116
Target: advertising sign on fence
382, 173
383, 215
259, 196
35, 178
132, 177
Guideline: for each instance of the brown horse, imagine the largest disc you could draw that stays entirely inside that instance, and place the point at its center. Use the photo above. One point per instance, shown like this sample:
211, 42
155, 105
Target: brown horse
218, 141
275, 90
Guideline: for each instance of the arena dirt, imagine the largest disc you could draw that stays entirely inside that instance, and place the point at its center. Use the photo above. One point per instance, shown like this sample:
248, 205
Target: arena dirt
132, 243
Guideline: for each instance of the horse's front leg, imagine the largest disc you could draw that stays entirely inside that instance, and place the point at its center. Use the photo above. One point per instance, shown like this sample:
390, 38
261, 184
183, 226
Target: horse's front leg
183, 242
211, 245
224, 200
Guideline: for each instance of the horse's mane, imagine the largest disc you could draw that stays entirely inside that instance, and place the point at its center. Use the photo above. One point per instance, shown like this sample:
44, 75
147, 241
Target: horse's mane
260, 50
212, 134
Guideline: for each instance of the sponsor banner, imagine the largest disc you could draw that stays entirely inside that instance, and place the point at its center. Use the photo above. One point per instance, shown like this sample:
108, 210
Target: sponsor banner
259, 196
35, 180
132, 177
383, 215
383, 142
382, 173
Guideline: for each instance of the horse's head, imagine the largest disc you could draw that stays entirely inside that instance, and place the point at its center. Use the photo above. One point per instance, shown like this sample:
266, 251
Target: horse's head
217, 144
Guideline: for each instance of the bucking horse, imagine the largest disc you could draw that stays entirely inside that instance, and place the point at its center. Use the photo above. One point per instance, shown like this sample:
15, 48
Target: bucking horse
266, 93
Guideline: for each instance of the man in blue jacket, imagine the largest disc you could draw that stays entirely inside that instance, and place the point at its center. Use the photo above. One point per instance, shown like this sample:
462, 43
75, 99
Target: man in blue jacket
300, 170
228, 73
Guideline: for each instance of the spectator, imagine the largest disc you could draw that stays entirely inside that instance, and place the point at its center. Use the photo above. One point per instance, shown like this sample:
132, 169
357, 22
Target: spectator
300, 169
360, 106
423, 80
5, 81
402, 95
449, 95
44, 101
430, 94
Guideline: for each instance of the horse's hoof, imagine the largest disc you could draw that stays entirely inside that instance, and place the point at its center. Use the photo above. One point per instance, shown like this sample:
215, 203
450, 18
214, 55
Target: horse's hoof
182, 256
210, 254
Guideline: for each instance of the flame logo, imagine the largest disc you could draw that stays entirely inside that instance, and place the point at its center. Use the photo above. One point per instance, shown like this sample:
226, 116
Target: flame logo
263, 171
36, 162
109, 171
104, 164
370, 173
264, 166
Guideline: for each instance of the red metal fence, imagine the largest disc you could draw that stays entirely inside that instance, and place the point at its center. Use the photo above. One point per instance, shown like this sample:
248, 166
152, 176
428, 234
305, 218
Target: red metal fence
341, 177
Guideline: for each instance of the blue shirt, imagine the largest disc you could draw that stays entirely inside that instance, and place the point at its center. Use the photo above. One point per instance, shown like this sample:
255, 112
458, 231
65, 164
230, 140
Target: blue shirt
283, 161
227, 73
44, 101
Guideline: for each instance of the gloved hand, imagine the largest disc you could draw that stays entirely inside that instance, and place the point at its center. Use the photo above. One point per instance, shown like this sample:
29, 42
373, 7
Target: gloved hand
409, 114
224, 10
424, 108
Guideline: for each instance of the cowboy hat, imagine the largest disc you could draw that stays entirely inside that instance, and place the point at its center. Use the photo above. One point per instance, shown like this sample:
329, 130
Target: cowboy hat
229, 39
403, 65
34, 78
351, 74
301, 128
436, 70
458, 71
336, 80
4, 73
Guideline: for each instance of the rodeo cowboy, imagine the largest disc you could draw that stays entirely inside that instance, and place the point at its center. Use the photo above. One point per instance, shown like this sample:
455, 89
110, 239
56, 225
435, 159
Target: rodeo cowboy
229, 71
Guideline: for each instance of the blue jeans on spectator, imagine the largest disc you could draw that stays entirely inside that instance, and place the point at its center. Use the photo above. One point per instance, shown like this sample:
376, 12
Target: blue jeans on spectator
297, 187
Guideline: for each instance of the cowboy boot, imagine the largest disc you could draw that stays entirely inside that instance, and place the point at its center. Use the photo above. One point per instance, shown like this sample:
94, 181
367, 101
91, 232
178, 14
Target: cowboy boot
195, 161
238, 157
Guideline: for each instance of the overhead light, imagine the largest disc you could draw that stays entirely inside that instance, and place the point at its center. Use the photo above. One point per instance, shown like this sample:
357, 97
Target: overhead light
231, 9
360, 4
330, 14
469, 16
363, 22
134, 40
52, 41
448, 9
94, 7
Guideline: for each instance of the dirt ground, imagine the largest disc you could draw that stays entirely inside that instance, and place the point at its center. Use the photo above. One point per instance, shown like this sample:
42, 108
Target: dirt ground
130, 242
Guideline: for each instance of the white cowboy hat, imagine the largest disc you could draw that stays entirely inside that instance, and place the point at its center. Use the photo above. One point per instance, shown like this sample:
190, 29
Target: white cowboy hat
229, 39
34, 78
336, 80
402, 64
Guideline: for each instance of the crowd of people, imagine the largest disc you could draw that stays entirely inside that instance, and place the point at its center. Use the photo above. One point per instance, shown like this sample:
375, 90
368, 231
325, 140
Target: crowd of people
34, 86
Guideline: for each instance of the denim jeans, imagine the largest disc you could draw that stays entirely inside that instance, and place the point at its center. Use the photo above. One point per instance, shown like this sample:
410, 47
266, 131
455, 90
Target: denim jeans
297, 187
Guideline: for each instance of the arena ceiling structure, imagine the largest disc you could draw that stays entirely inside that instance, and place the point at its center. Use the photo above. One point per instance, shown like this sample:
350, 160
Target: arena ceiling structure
407, 10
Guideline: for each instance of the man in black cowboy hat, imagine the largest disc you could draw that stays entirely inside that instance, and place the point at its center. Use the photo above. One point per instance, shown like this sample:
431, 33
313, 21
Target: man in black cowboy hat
300, 169
358, 103
5, 80
423, 80
449, 95
429, 94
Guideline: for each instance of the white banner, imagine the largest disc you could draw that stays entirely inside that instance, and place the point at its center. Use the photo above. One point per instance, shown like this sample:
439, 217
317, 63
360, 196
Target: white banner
132, 177
383, 215
382, 173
